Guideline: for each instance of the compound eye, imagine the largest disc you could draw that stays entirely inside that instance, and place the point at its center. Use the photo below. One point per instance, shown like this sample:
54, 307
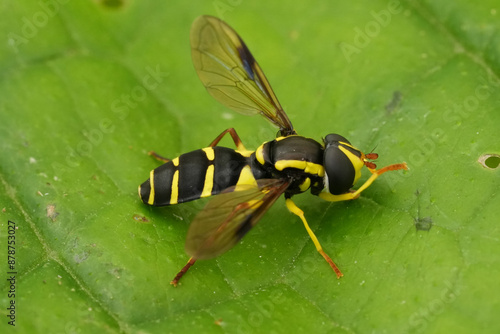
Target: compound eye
339, 170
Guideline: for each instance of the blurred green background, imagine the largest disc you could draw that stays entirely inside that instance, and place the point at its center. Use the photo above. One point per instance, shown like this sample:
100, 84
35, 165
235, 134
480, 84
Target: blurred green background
87, 88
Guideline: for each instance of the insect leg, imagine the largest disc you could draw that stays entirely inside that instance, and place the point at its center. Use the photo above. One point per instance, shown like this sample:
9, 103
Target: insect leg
377, 173
181, 273
158, 157
295, 210
231, 131
234, 135
355, 194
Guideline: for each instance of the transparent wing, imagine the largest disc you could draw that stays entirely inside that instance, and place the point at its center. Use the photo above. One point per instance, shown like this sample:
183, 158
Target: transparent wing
229, 216
230, 73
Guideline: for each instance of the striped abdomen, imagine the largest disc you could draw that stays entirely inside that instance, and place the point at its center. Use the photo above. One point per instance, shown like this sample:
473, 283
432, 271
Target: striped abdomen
193, 175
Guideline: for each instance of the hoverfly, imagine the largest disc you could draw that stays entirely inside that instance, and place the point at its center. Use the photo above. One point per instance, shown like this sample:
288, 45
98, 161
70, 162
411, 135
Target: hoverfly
247, 183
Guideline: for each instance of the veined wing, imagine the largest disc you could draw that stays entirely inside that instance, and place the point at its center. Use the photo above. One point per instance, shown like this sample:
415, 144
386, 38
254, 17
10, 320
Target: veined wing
229, 216
231, 74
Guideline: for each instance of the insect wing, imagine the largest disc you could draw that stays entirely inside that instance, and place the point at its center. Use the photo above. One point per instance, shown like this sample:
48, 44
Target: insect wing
229, 216
230, 73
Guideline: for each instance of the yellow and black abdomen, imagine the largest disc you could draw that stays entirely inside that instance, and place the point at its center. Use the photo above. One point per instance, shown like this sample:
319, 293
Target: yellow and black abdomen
193, 175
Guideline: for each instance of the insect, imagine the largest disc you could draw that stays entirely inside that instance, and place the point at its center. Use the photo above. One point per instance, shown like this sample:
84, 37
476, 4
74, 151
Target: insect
247, 183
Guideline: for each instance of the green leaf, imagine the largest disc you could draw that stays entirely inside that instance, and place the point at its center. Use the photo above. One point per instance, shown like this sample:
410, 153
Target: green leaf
89, 87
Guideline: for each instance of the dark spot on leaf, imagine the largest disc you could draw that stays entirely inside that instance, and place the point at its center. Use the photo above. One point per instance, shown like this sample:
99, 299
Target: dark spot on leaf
423, 224
51, 212
112, 4
490, 161
395, 102
140, 219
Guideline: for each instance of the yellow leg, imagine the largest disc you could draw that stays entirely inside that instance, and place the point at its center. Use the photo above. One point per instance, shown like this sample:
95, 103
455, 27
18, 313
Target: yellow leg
353, 195
295, 210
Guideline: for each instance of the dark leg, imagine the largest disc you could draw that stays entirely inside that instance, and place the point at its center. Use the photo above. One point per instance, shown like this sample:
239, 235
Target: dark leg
183, 271
234, 135
157, 156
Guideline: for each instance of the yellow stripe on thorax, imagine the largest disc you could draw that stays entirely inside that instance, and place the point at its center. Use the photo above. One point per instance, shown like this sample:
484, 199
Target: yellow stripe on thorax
306, 166
305, 185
